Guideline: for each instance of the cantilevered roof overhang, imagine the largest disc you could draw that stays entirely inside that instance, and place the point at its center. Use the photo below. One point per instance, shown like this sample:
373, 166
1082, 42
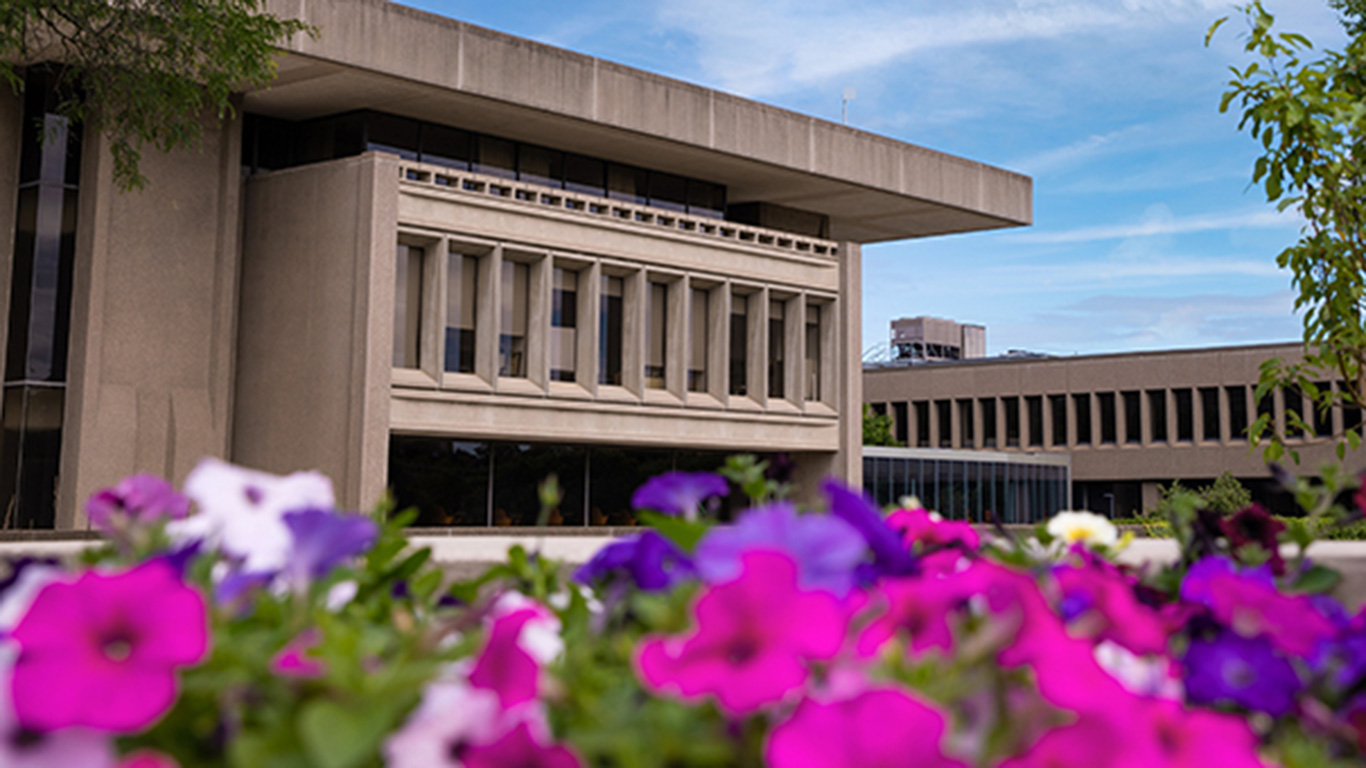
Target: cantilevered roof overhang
372, 54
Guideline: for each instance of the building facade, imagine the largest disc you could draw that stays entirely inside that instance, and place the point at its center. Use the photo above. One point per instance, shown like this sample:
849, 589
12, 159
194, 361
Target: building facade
1130, 422
448, 260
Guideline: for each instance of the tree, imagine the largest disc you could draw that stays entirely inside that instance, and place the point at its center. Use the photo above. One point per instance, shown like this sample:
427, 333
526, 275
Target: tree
1354, 15
1310, 119
145, 70
877, 429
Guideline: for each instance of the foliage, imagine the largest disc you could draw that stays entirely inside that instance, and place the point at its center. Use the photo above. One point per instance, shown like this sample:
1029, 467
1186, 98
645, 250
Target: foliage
145, 70
1353, 15
1224, 496
877, 428
1309, 117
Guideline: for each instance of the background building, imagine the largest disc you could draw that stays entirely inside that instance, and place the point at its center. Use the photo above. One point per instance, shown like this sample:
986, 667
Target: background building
450, 260
1130, 422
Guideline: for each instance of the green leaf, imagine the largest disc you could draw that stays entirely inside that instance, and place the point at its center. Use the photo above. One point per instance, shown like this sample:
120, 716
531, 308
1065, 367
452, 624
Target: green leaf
338, 737
1317, 580
1214, 28
676, 529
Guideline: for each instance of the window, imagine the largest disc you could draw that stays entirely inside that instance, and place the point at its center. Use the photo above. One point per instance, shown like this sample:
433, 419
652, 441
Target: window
408, 307
1133, 418
1034, 410
697, 343
668, 191
988, 421
922, 424
1157, 414
657, 336
513, 320
739, 345
1209, 404
1081, 403
902, 427
777, 349
495, 157
1108, 426
1323, 419
1294, 403
538, 165
445, 146
967, 434
628, 184
1237, 411
609, 331
813, 353
944, 413
1058, 404
462, 288
1351, 419
585, 175
388, 133
1266, 406
564, 322
1012, 412
1185, 415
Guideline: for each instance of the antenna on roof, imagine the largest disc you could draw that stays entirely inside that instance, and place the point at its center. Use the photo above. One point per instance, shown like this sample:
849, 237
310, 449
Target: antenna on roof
849, 94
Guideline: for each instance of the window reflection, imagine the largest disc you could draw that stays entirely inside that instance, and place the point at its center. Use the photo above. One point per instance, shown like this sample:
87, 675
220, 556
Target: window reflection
739, 345
462, 281
609, 331
407, 306
777, 350
513, 320
564, 313
656, 336
697, 333
813, 353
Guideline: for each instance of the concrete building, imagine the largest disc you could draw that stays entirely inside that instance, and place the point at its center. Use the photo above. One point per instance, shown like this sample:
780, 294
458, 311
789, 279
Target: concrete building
1130, 422
930, 339
449, 260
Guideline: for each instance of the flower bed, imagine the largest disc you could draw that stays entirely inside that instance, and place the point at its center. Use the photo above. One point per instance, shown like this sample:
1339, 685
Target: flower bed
250, 623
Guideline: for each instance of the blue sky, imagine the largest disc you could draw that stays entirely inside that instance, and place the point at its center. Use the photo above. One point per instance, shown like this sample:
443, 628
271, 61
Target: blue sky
1146, 233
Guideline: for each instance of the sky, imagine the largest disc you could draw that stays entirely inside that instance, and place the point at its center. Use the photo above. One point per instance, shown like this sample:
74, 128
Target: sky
1146, 235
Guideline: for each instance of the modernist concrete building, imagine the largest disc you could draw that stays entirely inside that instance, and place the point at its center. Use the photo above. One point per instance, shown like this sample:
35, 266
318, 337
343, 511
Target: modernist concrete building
1129, 421
449, 260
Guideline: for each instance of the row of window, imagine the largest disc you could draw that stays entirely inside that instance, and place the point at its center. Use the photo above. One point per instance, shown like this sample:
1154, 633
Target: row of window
1168, 415
602, 324
978, 491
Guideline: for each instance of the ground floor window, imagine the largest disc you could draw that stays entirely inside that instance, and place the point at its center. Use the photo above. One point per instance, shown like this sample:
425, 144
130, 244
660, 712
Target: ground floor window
967, 489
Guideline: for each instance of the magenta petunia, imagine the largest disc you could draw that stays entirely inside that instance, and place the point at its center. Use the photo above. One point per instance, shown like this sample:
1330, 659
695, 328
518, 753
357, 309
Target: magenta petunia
1249, 604
1099, 603
102, 652
295, 659
917, 610
505, 667
883, 728
518, 748
144, 758
138, 498
753, 641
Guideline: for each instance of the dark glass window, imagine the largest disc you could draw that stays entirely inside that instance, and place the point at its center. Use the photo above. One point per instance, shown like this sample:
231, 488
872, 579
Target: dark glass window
1108, 426
900, 416
668, 191
609, 331
967, 435
495, 157
944, 413
446, 146
615, 473
697, 340
777, 349
739, 344
922, 424
628, 184
564, 322
706, 199
1351, 419
408, 307
879, 409
1011, 406
1266, 406
1034, 410
1323, 419
1058, 404
1081, 403
1294, 403
657, 335
447, 481
1209, 403
1185, 415
538, 165
1157, 414
389, 133
585, 175
519, 470
1237, 411
1133, 418
462, 292
988, 421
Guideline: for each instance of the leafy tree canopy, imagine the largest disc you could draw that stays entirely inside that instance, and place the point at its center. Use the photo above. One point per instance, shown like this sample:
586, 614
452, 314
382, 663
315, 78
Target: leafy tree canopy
145, 70
1309, 117
1353, 15
877, 429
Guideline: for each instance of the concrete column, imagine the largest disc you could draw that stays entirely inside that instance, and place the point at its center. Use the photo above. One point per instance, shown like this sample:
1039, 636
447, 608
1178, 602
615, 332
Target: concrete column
849, 364
153, 328
676, 350
590, 317
635, 296
11, 123
487, 317
756, 353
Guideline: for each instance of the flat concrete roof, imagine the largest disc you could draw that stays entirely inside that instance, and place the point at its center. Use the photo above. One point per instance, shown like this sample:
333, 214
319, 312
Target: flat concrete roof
1065, 359
379, 55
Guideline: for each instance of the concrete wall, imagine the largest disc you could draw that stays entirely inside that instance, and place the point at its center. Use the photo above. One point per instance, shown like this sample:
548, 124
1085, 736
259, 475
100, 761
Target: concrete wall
153, 304
314, 343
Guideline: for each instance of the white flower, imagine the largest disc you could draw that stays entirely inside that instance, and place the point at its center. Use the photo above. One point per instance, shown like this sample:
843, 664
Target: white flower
1152, 676
452, 715
1083, 527
241, 511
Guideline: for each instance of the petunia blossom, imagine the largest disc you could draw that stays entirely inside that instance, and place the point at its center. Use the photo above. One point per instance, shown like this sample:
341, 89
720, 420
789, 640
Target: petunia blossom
1253, 607
753, 642
22, 747
826, 549
1247, 672
1099, 603
138, 498
518, 748
919, 610
881, 728
510, 663
102, 652
891, 557
323, 539
145, 758
294, 659
452, 717
652, 562
679, 493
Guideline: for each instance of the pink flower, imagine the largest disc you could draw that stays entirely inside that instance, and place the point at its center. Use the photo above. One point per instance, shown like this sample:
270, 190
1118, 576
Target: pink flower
506, 667
877, 728
518, 749
293, 660
148, 759
1100, 604
101, 652
26, 748
919, 609
753, 640
452, 717
1252, 608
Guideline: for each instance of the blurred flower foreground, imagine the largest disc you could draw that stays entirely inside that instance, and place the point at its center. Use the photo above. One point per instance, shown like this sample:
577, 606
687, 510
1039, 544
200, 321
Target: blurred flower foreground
245, 621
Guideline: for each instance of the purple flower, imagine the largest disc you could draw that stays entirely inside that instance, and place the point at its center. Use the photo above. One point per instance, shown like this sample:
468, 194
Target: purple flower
890, 555
1231, 669
1196, 587
324, 539
827, 549
679, 493
140, 498
653, 562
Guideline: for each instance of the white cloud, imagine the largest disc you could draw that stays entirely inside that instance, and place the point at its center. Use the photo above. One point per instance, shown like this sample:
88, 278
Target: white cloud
1164, 225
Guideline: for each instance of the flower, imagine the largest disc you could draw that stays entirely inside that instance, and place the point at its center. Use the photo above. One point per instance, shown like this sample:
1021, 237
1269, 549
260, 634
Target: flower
679, 493
1152, 676
1255, 525
890, 555
22, 747
241, 511
452, 716
1230, 669
1098, 602
825, 548
294, 659
322, 539
140, 498
101, 652
1249, 604
518, 749
1085, 528
752, 641
145, 758
876, 729
652, 562
942, 542
506, 666
919, 608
